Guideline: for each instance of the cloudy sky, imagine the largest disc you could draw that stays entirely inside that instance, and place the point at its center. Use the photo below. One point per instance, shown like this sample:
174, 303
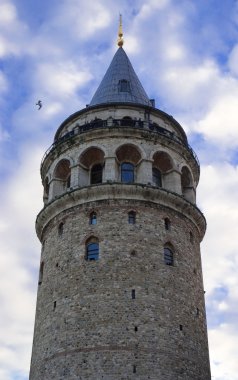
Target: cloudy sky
185, 53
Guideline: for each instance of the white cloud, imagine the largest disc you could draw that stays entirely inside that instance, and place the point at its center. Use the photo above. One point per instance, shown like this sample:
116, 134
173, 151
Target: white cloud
61, 79
85, 18
19, 252
13, 31
8, 14
224, 362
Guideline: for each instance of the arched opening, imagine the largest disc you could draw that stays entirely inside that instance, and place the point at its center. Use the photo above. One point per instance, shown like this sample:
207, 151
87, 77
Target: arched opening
62, 175
91, 166
187, 184
128, 157
162, 165
92, 249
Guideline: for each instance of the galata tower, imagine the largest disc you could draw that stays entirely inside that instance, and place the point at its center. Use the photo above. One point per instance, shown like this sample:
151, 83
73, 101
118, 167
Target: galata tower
120, 293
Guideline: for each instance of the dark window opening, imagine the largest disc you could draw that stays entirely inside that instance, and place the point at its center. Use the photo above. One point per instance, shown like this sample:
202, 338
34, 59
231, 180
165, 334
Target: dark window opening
93, 218
54, 305
133, 294
96, 174
167, 224
197, 312
168, 256
61, 229
134, 368
180, 327
92, 251
156, 177
191, 237
131, 217
127, 172
136, 328
133, 253
68, 182
41, 273
124, 86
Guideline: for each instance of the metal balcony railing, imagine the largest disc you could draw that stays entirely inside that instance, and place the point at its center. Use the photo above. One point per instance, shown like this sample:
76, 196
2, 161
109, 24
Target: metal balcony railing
143, 125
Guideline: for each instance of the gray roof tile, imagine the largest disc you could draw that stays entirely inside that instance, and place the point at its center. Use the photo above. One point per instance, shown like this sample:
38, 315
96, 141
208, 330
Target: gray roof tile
120, 83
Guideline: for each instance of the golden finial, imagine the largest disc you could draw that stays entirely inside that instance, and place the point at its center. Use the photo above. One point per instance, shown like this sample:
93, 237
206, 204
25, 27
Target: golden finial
120, 33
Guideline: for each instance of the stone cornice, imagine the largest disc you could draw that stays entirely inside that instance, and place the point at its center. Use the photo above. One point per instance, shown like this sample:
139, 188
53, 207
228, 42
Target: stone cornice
119, 191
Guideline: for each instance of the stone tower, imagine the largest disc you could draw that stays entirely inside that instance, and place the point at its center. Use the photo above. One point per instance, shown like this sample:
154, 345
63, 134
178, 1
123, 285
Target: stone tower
120, 293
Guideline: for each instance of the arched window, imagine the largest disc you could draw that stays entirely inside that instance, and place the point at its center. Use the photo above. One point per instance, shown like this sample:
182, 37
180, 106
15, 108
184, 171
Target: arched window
96, 174
131, 217
168, 256
92, 251
93, 218
156, 177
62, 177
167, 224
127, 172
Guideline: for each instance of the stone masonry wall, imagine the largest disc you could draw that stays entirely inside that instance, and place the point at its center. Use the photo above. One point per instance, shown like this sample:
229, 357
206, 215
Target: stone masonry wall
88, 325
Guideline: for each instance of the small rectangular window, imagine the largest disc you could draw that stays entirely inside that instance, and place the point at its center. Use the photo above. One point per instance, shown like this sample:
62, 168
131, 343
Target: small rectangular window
133, 294
54, 305
134, 368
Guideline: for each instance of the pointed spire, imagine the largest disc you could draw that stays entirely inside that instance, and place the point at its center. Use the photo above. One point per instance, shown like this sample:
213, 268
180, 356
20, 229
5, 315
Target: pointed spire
120, 33
120, 83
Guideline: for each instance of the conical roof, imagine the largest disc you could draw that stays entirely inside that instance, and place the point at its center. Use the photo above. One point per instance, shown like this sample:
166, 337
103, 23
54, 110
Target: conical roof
120, 83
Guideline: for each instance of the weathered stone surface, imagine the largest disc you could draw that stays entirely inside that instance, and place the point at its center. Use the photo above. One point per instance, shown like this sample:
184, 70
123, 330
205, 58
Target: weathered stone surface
127, 315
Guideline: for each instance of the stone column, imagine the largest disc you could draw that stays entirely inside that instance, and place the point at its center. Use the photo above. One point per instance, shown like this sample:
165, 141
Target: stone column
172, 181
144, 172
110, 170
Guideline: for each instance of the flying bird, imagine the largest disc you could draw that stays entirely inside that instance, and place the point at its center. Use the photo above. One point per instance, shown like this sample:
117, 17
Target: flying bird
39, 104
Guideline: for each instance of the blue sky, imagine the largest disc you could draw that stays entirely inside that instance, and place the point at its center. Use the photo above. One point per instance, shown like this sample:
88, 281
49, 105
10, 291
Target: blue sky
186, 56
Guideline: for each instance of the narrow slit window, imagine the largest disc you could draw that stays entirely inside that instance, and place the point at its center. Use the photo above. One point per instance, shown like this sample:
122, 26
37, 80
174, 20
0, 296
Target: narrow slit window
68, 181
41, 273
131, 217
134, 368
167, 224
54, 305
93, 218
133, 294
61, 229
